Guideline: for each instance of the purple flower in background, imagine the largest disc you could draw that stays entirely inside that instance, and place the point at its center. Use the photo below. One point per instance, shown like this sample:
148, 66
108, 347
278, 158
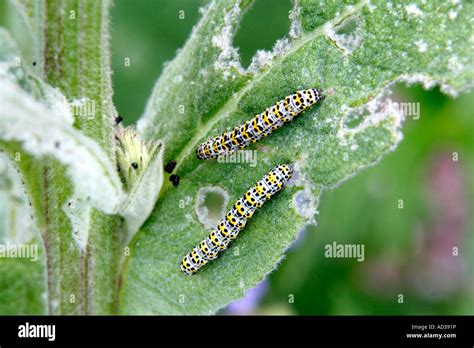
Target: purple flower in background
438, 270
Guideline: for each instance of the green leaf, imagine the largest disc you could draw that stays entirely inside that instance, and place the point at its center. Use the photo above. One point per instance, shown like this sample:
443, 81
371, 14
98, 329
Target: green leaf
95, 178
356, 53
16, 225
21, 287
172, 115
21, 279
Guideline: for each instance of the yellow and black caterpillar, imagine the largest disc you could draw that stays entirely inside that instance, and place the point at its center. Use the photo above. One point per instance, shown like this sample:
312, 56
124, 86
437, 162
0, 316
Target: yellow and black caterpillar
260, 126
236, 219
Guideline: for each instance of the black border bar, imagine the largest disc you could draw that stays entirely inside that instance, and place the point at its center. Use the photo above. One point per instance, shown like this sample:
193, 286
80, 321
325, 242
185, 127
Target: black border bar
219, 330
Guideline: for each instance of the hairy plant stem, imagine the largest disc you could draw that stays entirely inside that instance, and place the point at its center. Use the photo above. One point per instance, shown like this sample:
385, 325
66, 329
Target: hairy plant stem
75, 53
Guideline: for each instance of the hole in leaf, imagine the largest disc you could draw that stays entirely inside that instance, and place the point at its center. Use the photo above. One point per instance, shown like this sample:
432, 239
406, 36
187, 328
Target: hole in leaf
304, 203
347, 27
348, 34
265, 23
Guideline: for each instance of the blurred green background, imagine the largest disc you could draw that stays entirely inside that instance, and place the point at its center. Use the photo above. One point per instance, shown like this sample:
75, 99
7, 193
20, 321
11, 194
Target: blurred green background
408, 251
